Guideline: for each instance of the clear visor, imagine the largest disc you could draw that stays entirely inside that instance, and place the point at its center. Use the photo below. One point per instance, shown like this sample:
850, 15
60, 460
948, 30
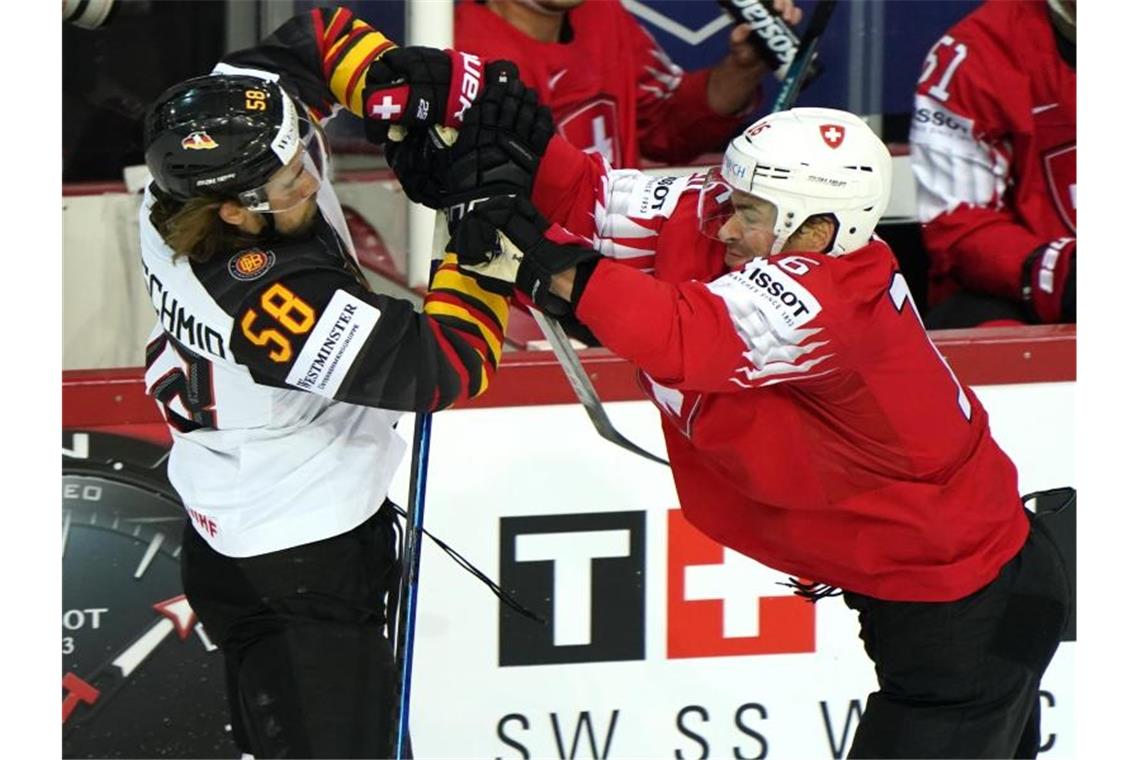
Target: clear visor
715, 207
298, 180
714, 203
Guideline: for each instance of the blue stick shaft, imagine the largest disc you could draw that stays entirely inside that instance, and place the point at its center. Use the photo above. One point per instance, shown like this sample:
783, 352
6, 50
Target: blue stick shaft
406, 630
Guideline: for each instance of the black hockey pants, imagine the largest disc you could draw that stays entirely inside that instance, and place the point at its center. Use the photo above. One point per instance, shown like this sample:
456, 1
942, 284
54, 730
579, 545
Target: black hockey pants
309, 672
960, 679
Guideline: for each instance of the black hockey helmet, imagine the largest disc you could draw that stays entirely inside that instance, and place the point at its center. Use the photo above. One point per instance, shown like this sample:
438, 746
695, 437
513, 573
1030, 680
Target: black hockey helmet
223, 135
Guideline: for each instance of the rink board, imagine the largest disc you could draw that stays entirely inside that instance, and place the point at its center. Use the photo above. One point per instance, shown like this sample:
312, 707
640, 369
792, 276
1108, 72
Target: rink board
658, 644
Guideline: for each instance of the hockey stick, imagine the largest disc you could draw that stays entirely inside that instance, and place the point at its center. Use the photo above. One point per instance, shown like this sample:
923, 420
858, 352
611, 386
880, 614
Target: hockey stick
567, 357
560, 343
409, 582
799, 68
576, 374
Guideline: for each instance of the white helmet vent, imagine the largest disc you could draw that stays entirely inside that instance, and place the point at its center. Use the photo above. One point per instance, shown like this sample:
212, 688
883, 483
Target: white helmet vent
771, 172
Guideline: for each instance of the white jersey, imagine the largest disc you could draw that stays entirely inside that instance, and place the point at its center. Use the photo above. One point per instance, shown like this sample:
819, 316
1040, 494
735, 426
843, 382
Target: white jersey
281, 374
278, 466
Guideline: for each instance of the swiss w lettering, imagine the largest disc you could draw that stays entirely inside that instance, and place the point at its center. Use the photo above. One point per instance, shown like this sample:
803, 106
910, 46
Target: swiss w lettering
723, 603
583, 573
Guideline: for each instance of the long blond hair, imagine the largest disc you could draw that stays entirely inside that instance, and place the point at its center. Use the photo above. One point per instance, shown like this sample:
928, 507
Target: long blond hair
193, 228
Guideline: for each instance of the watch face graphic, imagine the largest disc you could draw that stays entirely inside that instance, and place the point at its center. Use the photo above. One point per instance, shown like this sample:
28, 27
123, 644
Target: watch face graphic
140, 676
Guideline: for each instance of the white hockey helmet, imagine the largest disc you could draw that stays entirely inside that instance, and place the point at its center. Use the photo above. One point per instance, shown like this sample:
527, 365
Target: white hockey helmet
805, 161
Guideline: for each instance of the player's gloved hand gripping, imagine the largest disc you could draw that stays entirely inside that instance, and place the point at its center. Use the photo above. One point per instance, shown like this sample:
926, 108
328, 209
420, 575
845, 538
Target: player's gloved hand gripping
504, 242
1049, 282
497, 151
501, 143
413, 98
419, 86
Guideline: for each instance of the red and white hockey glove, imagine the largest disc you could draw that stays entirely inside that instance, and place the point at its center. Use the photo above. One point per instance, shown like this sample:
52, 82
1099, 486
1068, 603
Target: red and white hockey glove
505, 241
419, 86
1049, 283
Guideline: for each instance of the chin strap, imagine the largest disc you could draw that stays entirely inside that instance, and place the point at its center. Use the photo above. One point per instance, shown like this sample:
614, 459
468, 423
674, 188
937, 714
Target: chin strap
270, 225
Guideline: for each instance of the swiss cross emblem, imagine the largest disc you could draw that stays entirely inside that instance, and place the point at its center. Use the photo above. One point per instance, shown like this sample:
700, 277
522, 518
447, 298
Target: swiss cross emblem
387, 106
724, 604
832, 134
592, 127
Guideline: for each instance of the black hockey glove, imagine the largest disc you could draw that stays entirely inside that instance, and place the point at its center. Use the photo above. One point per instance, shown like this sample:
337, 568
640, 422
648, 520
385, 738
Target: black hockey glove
501, 143
528, 252
419, 86
420, 161
424, 158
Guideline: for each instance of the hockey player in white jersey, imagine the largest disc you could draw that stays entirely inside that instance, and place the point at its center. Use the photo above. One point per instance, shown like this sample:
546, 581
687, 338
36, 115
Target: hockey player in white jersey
281, 375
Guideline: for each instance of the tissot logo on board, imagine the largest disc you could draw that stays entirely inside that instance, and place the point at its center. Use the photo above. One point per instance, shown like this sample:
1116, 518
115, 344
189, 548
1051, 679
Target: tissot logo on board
583, 573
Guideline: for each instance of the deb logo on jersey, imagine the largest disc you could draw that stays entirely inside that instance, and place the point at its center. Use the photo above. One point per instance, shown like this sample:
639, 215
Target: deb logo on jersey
585, 575
251, 264
593, 127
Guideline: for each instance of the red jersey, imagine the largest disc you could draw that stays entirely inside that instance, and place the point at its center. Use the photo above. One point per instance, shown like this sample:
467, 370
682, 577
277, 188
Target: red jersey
994, 147
612, 89
810, 423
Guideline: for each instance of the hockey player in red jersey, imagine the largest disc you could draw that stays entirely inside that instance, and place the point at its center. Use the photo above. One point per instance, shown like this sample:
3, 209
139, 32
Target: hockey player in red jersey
612, 89
994, 152
809, 421
282, 375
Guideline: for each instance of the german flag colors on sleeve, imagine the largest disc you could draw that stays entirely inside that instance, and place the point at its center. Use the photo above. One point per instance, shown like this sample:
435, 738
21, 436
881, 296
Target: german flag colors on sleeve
470, 320
347, 46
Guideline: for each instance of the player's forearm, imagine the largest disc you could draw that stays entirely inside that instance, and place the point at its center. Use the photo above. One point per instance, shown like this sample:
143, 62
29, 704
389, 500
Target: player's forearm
325, 53
468, 322
566, 185
984, 250
732, 88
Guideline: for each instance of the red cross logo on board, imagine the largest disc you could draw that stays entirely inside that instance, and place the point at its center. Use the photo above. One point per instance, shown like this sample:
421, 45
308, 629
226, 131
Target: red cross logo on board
832, 134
